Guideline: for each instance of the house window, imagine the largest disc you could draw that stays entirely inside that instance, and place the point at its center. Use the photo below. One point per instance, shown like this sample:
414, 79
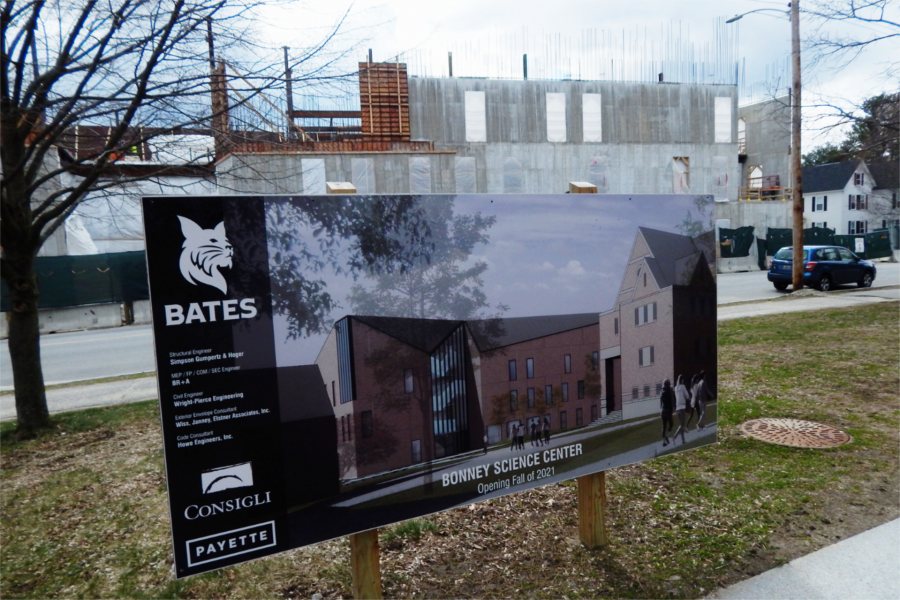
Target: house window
858, 201
646, 390
565, 391
408, 381
658, 388
563, 420
595, 360
646, 356
579, 417
581, 389
616, 325
567, 363
548, 395
512, 370
531, 397
859, 179
415, 451
823, 205
645, 314
857, 227
367, 426
634, 393
513, 400
529, 368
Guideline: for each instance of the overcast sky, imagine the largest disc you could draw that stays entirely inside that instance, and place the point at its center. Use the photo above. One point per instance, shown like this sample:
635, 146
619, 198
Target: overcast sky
546, 254
576, 37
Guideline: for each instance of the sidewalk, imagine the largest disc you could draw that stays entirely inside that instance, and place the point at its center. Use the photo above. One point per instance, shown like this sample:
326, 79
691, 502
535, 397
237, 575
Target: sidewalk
88, 395
865, 566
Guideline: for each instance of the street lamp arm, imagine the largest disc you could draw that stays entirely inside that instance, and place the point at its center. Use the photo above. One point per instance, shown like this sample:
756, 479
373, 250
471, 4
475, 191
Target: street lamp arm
758, 10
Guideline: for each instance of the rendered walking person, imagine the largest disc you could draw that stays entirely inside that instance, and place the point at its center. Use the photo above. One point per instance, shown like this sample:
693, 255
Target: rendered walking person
535, 437
691, 406
547, 430
700, 393
666, 408
521, 437
682, 401
513, 436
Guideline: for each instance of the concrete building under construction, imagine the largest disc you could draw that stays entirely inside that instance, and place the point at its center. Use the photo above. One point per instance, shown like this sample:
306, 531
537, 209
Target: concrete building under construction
468, 135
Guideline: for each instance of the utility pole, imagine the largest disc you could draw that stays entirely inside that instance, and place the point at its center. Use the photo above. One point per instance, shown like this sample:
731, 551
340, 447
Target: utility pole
796, 168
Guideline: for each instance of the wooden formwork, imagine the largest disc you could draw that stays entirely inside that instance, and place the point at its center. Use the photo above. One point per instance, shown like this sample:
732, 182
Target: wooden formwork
384, 101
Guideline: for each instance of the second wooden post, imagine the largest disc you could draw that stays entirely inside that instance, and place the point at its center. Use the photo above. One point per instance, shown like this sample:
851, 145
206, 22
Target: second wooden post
592, 510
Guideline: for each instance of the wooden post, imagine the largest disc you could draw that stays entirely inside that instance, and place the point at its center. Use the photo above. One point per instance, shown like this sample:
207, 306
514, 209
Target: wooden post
364, 563
592, 510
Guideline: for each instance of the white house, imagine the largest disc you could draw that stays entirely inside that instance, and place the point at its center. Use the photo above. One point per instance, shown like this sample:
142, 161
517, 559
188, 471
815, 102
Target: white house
848, 198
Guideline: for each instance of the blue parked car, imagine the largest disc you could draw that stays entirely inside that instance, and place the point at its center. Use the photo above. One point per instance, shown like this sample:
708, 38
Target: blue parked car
823, 268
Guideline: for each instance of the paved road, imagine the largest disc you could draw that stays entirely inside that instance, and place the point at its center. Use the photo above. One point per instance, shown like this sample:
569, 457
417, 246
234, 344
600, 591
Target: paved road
89, 355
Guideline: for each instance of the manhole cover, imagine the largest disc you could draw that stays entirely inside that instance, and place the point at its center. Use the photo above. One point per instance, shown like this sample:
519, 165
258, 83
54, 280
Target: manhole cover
795, 433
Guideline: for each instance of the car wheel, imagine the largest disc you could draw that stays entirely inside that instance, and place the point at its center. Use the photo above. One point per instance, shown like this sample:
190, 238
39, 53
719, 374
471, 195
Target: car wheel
780, 286
825, 283
866, 280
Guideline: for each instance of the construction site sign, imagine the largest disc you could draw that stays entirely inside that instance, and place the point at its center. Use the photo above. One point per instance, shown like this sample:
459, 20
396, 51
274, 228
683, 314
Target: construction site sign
333, 364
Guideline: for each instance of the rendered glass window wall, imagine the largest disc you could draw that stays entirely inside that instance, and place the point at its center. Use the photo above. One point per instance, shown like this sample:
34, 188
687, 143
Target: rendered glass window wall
345, 359
448, 399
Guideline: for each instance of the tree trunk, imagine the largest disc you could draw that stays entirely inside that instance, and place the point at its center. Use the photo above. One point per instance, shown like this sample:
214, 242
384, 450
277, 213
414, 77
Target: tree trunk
25, 346
20, 246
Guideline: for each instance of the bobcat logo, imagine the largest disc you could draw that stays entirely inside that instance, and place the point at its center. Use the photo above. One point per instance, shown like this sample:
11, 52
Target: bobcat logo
203, 253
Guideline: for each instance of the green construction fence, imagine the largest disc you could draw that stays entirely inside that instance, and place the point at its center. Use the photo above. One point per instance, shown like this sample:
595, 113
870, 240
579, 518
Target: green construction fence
65, 281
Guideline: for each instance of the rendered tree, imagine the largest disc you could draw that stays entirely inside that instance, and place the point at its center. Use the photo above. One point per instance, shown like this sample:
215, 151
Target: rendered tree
445, 284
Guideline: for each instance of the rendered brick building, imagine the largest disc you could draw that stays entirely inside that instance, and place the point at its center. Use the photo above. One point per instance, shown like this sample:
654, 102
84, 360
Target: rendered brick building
663, 323
407, 391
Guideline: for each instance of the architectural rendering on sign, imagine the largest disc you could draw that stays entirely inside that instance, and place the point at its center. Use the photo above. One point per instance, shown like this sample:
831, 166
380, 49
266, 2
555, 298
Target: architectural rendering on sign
333, 364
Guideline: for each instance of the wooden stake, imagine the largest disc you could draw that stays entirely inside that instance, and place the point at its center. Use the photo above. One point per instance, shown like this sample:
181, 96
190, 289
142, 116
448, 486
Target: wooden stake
364, 564
592, 510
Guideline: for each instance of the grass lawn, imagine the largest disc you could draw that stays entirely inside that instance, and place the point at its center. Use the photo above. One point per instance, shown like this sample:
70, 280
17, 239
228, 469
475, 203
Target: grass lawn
85, 513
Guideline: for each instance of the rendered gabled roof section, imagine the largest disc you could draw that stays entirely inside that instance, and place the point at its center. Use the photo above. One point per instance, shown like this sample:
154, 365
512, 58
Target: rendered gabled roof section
491, 334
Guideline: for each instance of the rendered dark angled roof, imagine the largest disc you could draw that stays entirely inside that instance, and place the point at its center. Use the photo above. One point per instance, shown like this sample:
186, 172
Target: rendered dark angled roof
422, 334
302, 393
666, 248
828, 177
488, 334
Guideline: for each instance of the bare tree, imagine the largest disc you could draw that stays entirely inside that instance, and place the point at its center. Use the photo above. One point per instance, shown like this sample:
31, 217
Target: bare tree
841, 32
875, 24
137, 68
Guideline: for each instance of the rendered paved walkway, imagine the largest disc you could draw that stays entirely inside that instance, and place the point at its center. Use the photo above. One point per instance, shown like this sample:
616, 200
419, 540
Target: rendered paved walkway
864, 567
